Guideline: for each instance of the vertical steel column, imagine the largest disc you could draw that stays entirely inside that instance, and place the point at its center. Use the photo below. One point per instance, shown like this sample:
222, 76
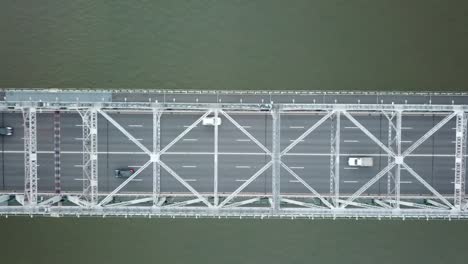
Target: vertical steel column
57, 151
335, 158
460, 151
90, 157
276, 157
398, 159
30, 156
156, 149
391, 142
215, 165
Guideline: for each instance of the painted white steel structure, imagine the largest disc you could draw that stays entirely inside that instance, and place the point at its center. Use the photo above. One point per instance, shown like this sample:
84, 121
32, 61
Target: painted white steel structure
272, 205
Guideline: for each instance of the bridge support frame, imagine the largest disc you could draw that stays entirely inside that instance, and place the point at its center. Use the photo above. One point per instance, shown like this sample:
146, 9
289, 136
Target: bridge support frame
358, 202
30, 156
90, 155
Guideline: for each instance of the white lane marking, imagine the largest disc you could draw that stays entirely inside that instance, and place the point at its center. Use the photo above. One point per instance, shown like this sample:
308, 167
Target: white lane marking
299, 168
350, 168
242, 167
453, 142
134, 166
135, 125
78, 138
454, 128
296, 127
350, 141
79, 125
406, 182
406, 128
232, 153
406, 141
189, 166
243, 140
189, 126
78, 166
295, 140
137, 180
79, 179
350, 181
293, 181
240, 180
190, 139
350, 127
453, 169
139, 139
190, 180
246, 126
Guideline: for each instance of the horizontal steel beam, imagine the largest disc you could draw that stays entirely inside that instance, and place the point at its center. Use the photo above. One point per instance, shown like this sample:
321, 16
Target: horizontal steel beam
236, 212
283, 108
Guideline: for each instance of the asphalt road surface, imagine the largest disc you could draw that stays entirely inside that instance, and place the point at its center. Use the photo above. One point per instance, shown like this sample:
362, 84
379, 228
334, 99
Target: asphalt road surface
239, 158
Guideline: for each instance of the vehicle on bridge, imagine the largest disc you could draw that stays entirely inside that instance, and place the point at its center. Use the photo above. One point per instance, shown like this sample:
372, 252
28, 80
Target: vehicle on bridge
123, 173
6, 131
360, 161
211, 121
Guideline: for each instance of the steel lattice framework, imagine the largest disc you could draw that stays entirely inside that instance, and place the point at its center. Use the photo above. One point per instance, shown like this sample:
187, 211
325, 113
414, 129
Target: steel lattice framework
91, 202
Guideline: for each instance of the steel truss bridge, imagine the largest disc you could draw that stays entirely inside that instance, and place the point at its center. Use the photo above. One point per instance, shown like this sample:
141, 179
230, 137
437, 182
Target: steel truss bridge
267, 159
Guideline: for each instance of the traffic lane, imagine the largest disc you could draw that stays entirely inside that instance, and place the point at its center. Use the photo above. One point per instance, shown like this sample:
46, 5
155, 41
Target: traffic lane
413, 128
232, 139
233, 171
353, 178
444, 175
200, 138
71, 132
395, 99
298, 99
138, 125
2, 154
141, 183
45, 172
71, 176
293, 126
197, 171
191, 98
354, 141
250, 99
437, 172
15, 141
2, 168
259, 125
349, 99
14, 172
448, 100
137, 97
314, 170
45, 131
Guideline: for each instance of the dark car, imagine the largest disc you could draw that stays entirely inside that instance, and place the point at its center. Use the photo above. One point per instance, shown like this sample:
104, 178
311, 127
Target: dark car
6, 131
123, 173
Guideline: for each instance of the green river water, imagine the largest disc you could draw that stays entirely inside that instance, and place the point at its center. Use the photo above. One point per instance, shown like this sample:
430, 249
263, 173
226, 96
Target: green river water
331, 45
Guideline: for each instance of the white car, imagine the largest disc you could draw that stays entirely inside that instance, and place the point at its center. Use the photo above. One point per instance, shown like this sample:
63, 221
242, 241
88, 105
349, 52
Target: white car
360, 161
211, 121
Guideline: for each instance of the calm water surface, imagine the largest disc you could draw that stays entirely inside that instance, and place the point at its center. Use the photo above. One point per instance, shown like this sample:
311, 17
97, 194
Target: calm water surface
364, 45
